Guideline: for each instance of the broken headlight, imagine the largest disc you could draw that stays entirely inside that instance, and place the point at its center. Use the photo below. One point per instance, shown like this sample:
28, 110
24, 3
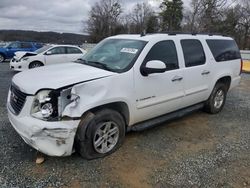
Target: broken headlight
45, 105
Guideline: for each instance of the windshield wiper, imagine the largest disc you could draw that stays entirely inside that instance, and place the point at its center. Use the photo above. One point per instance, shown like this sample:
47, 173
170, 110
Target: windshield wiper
97, 64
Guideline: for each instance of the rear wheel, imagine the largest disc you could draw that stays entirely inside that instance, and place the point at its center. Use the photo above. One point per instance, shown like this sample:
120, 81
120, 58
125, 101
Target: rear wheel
35, 64
1, 58
217, 99
100, 134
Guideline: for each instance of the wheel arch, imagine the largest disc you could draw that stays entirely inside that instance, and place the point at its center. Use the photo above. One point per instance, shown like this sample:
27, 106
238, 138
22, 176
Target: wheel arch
119, 106
225, 80
36, 61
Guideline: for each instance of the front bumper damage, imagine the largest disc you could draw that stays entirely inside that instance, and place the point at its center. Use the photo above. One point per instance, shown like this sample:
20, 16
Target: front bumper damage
51, 138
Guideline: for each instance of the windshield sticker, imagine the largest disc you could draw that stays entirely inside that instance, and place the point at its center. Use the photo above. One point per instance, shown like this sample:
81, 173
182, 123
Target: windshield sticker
129, 50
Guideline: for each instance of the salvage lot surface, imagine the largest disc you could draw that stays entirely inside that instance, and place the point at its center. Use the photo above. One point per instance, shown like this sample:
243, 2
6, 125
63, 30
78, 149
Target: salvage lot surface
199, 150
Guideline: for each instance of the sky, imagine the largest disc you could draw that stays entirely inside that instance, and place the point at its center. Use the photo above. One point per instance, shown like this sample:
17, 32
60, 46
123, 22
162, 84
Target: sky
53, 15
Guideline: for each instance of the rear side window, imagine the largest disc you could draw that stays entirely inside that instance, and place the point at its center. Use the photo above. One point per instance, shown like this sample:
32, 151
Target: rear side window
26, 45
224, 50
193, 52
73, 50
164, 51
58, 50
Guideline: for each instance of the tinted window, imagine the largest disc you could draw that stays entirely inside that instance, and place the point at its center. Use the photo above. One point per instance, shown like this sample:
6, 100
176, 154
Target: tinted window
164, 51
26, 45
224, 50
58, 50
193, 52
72, 50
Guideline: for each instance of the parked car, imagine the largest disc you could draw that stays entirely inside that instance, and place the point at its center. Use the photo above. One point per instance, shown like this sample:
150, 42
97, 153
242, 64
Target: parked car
127, 82
245, 54
8, 51
48, 55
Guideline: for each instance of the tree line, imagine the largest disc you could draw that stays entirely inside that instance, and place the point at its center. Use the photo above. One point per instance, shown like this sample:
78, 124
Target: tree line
42, 37
226, 17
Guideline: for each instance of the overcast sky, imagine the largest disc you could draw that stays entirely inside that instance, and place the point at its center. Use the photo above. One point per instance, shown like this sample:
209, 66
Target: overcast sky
52, 15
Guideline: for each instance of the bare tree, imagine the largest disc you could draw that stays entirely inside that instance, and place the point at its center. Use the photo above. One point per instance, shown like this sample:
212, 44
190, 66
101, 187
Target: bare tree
103, 19
140, 16
245, 22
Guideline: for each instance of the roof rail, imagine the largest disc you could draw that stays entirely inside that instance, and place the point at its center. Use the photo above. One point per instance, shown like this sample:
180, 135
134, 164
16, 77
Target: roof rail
186, 33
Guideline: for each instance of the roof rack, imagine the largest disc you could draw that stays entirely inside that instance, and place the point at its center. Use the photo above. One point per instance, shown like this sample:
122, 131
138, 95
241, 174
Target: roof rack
186, 33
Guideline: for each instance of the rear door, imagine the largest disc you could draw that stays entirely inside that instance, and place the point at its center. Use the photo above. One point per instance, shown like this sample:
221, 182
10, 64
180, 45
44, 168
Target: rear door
56, 55
197, 72
73, 53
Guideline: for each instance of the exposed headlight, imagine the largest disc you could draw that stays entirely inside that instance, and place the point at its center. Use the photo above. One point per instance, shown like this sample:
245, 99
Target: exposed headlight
45, 105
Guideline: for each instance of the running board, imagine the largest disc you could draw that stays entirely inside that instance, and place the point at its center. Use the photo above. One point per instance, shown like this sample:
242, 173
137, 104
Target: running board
170, 116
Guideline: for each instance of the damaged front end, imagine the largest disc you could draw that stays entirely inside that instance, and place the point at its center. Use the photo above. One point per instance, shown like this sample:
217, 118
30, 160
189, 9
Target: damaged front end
41, 124
22, 55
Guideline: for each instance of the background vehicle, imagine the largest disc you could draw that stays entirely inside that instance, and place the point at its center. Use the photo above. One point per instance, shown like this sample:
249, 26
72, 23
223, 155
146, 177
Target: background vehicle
127, 82
48, 55
8, 51
245, 54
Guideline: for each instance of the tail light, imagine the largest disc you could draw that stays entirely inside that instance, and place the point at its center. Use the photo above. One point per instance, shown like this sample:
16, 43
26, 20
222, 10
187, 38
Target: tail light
241, 66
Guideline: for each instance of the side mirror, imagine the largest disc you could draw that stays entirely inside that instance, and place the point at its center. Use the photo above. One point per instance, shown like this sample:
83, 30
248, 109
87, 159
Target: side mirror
48, 53
154, 66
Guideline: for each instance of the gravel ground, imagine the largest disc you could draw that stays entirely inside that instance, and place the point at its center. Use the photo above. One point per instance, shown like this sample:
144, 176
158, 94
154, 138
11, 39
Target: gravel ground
199, 150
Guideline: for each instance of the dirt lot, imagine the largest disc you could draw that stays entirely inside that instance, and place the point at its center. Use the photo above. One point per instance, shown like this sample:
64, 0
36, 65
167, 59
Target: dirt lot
199, 150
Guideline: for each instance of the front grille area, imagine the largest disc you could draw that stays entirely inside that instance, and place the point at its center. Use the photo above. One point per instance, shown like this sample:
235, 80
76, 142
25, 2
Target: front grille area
17, 99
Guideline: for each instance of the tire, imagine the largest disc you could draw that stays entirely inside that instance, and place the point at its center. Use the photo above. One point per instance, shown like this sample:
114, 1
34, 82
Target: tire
2, 58
100, 134
216, 101
35, 64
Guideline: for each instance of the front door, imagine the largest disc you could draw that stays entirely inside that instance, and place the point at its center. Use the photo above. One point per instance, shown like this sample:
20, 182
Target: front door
56, 55
159, 93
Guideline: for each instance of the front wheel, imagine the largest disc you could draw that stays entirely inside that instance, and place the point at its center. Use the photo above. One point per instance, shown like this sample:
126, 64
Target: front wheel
217, 99
1, 58
35, 64
101, 134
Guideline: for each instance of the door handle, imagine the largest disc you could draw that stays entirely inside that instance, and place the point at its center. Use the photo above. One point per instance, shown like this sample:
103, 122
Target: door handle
177, 78
205, 72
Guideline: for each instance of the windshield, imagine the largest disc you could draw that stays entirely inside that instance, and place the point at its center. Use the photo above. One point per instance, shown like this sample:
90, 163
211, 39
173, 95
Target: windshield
114, 54
43, 49
6, 45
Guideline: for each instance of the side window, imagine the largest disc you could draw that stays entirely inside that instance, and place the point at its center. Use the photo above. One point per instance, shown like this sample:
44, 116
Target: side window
26, 45
58, 50
193, 52
164, 51
14, 45
73, 50
224, 50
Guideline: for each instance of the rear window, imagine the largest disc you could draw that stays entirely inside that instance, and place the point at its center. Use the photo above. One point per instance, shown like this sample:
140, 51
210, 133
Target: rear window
73, 50
193, 52
26, 45
224, 50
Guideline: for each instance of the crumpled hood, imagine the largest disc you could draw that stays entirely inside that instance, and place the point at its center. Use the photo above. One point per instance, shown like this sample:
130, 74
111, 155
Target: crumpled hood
57, 76
21, 54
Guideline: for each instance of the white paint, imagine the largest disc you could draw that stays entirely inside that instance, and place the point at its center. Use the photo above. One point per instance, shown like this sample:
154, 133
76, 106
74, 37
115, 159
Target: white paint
18, 60
146, 97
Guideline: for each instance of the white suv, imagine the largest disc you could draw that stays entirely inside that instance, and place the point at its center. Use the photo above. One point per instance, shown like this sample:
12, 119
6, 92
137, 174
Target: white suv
127, 82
